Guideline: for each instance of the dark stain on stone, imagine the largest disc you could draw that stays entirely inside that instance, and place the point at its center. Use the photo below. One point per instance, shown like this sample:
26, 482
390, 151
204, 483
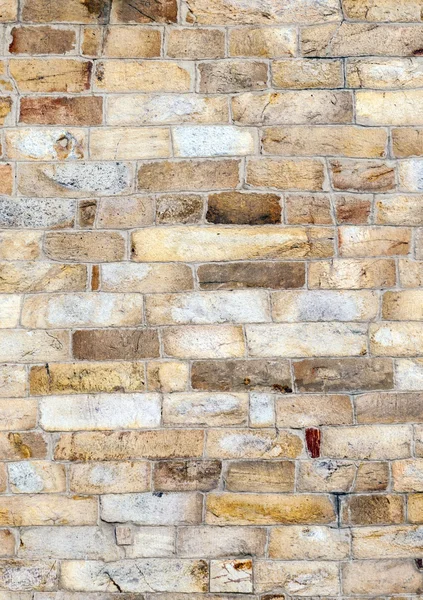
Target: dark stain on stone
313, 442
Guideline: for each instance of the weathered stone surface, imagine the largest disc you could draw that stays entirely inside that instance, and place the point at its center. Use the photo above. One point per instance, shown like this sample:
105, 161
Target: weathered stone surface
311, 543
42, 11
312, 410
298, 577
131, 42
381, 577
179, 475
382, 10
372, 509
142, 76
167, 376
20, 245
142, 11
409, 374
51, 75
272, 275
115, 344
352, 273
42, 40
24, 511
241, 375
367, 442
324, 306
327, 475
8, 10
389, 108
407, 141
386, 542
363, 176
18, 414
73, 110
220, 541
179, 208
285, 174
346, 374
231, 576
256, 476
109, 478
130, 445
352, 208
232, 76
34, 213
206, 409
212, 140
32, 477
25, 276
399, 210
259, 509
245, 443
20, 345
125, 212
196, 43
129, 143
85, 246
18, 575
213, 341
265, 42
12, 381
235, 208
396, 338
18, 446
307, 74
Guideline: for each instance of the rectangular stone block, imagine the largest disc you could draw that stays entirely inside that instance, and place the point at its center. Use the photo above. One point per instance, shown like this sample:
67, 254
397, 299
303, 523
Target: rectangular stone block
372, 509
305, 73
212, 140
167, 376
42, 40
407, 141
298, 577
396, 338
18, 446
205, 409
72, 110
10, 307
131, 42
115, 344
143, 76
241, 375
217, 542
51, 74
90, 412
386, 542
236, 208
352, 273
404, 209
8, 10
196, 43
34, 477
192, 475
247, 443
26, 511
306, 339
165, 443
12, 381
294, 542
397, 107
18, 413
232, 76
283, 174
109, 478
353, 208
381, 577
19, 575
213, 341
407, 475
36, 213
162, 109
346, 374
18, 345
140, 11
152, 509
264, 42
20, 245
273, 275
313, 410
129, 143
362, 176
368, 442
257, 476
260, 509
26, 276
150, 542
403, 306
373, 241
179, 208
43, 11
381, 73
410, 175
382, 10
208, 307
409, 374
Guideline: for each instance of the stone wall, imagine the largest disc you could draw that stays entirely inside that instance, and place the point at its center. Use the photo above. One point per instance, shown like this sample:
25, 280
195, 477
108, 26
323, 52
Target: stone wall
211, 308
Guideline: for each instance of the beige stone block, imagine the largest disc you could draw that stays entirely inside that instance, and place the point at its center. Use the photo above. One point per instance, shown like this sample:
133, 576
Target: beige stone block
305, 73
219, 541
66, 75
386, 542
25, 276
143, 76
407, 475
205, 409
8, 10
10, 307
265, 42
407, 141
374, 509
231, 576
313, 410
131, 42
410, 273
409, 374
213, 140
17, 413
309, 543
167, 376
375, 577
383, 10
362, 176
396, 339
45, 144
18, 575
260, 476
145, 277
129, 143
352, 273
20, 245
373, 241
381, 73
368, 442
33, 346
35, 477
12, 381
195, 43
298, 577
109, 477
284, 174
398, 107
246, 443
24, 511
403, 306
88, 246
211, 341
399, 210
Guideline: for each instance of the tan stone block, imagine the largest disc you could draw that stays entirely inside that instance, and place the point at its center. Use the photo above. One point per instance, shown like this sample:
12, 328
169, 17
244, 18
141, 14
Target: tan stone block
375, 509
115, 344
99, 412
386, 542
410, 175
372, 477
407, 141
360, 39
367, 442
69, 111
410, 272
34, 477
205, 409
26, 276
18, 414
195, 43
24, 511
286, 174
51, 74
169, 108
220, 541
45, 144
403, 306
309, 543
79, 378
43, 11
150, 541
142, 575
415, 508
306, 339
129, 144
8, 543
167, 376
402, 107
19, 345
397, 339
213, 140
373, 241
125, 212
165, 443
3, 477
90, 246
131, 42
313, 410
264, 42
91, 40
362, 176
419, 243
24, 575
8, 10
186, 175
409, 374
353, 209
42, 40
383, 10
5, 110
236, 208
231, 576
45, 311
377, 577
384, 73
18, 446
109, 477
326, 476
300, 107
354, 142
399, 210
310, 209
191, 475
6, 179
261, 509
220, 243
143, 76
74, 179
153, 509
260, 476
12, 381
307, 73
352, 273
213, 341
220, 12
10, 307
140, 11
20, 245
293, 306
297, 577
179, 208
147, 278
407, 475
247, 443
232, 76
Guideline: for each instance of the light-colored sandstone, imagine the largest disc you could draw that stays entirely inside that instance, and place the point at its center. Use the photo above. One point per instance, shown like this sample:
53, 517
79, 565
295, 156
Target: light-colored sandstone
202, 408
129, 143
243, 443
34, 477
143, 76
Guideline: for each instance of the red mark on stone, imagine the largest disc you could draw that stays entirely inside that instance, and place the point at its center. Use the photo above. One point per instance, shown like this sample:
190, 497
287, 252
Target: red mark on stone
313, 442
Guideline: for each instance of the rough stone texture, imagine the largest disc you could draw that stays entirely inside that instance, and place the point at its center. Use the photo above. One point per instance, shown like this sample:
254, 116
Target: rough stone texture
211, 322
